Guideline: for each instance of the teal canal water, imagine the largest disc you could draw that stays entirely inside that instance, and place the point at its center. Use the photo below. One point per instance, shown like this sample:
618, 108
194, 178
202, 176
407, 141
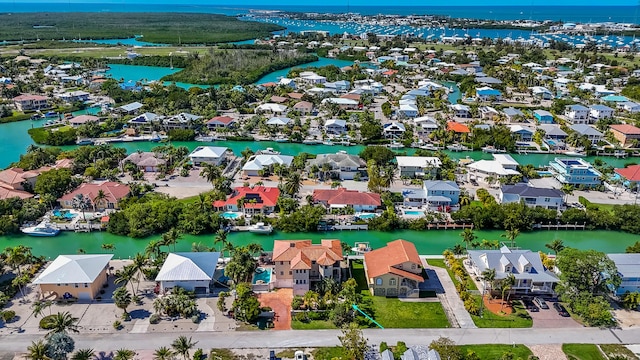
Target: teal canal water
432, 242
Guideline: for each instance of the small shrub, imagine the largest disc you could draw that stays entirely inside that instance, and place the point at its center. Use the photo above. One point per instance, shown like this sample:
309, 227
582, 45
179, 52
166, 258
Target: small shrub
302, 317
44, 322
117, 325
266, 309
314, 315
296, 303
195, 318
137, 299
8, 315
125, 317
198, 354
154, 319
383, 346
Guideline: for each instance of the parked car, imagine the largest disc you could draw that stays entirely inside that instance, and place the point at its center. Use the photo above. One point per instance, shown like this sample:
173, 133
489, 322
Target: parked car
530, 305
561, 310
541, 303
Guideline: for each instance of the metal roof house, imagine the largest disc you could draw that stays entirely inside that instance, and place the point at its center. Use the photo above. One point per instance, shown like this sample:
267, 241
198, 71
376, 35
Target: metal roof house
191, 271
77, 276
629, 269
532, 196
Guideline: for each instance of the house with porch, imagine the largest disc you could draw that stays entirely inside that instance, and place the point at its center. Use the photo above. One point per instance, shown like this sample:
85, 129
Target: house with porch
79, 120
437, 195
30, 102
598, 111
343, 166
342, 198
575, 171
543, 116
525, 265
521, 133
490, 171
220, 122
78, 276
625, 133
532, 196
145, 122
214, 155
418, 166
192, 271
488, 94
261, 162
113, 192
590, 132
393, 130
300, 264
628, 266
145, 161
181, 121
250, 200
577, 114
461, 111
394, 270
335, 126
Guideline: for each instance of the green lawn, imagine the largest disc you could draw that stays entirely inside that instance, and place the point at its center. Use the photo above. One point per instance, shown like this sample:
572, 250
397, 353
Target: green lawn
312, 325
329, 353
440, 263
519, 319
495, 351
612, 350
582, 352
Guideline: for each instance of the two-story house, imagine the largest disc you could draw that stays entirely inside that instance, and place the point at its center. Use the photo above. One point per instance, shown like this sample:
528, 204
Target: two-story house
625, 133
436, 194
628, 266
573, 171
394, 270
418, 166
591, 133
526, 266
577, 114
181, 121
532, 196
343, 166
300, 263
29, 102
250, 200
393, 130
598, 111
335, 126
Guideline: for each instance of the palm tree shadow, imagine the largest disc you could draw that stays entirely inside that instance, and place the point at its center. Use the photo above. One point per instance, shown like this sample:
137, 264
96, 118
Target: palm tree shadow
139, 314
104, 355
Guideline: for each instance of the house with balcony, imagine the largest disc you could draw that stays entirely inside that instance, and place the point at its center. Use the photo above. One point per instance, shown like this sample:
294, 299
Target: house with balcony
597, 112
425, 125
393, 130
628, 266
181, 121
543, 116
78, 276
343, 166
532, 196
30, 102
502, 165
300, 264
214, 155
220, 122
577, 114
575, 171
521, 133
418, 166
335, 126
437, 195
525, 265
590, 132
113, 193
394, 270
461, 111
342, 198
625, 133
250, 200
262, 162
146, 122
488, 94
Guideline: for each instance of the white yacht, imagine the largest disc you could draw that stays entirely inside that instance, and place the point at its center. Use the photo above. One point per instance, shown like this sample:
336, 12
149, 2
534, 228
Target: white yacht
42, 229
261, 228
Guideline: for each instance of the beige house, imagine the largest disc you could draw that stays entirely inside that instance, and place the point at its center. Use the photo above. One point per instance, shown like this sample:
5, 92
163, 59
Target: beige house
299, 263
77, 276
394, 270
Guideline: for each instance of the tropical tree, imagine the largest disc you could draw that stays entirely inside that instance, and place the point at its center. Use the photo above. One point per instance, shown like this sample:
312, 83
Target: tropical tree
468, 237
100, 196
630, 300
506, 285
17, 256
511, 235
556, 246
38, 307
37, 351
122, 298
353, 341
182, 345
163, 353
293, 184
59, 345
489, 276
124, 354
220, 238
139, 262
82, 203
210, 172
126, 275
84, 354
242, 265
62, 323
171, 237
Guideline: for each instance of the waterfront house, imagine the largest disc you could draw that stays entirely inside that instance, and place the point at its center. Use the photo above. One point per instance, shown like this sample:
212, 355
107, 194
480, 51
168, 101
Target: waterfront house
342, 198
631, 175
502, 165
597, 112
192, 271
262, 162
393, 130
343, 166
214, 155
425, 125
526, 266
79, 120
220, 122
577, 114
145, 122
18, 179
408, 110
628, 266
30, 102
74, 276
303, 107
113, 191
345, 104
300, 264
310, 77
145, 161
625, 133
279, 121
435, 194
461, 111
531, 196
543, 116
130, 109
250, 200
394, 270
574, 171
271, 108
488, 94
335, 126
181, 121
513, 114
418, 166
589, 132
74, 96
521, 133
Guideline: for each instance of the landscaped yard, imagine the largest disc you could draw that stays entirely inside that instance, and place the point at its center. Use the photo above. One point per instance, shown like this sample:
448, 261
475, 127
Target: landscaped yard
328, 353
582, 352
440, 263
495, 351
612, 350
519, 319
312, 325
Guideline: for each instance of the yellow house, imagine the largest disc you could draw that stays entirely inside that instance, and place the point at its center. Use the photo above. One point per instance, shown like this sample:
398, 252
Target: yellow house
78, 276
394, 270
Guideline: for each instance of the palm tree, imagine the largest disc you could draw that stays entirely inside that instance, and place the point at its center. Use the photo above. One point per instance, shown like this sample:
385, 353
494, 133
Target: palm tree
567, 189
556, 246
210, 172
122, 298
100, 196
139, 262
124, 354
153, 248
468, 237
182, 346
488, 276
293, 183
37, 351
126, 275
62, 323
506, 284
163, 353
171, 237
511, 235
109, 247
457, 249
84, 354
82, 203
39, 306
220, 238
17, 256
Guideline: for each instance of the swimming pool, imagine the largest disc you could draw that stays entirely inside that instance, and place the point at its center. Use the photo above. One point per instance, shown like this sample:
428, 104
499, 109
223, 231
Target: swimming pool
545, 173
414, 213
262, 276
64, 214
230, 215
366, 216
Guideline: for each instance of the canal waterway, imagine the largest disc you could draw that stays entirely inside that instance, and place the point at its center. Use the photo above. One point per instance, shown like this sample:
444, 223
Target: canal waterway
429, 242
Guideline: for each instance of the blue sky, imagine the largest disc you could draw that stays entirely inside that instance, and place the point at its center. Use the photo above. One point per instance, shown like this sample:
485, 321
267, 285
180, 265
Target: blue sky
275, 3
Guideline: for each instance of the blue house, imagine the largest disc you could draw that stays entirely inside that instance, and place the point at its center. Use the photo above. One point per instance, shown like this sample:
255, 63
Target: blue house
436, 194
543, 116
575, 171
488, 94
628, 266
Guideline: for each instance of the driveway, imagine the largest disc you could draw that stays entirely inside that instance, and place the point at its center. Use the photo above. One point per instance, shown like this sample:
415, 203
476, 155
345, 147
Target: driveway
280, 302
550, 319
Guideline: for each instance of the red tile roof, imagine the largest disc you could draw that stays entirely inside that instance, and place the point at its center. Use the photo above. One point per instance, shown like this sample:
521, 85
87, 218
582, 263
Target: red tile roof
297, 96
343, 196
301, 253
390, 72
16, 176
278, 99
8, 193
355, 97
265, 196
457, 127
625, 129
385, 260
29, 97
221, 119
113, 190
631, 173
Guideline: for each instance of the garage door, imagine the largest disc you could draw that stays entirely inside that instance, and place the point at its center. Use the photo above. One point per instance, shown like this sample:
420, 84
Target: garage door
84, 296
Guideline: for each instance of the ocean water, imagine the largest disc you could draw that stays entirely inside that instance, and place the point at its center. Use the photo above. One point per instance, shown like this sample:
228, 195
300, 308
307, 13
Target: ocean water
557, 13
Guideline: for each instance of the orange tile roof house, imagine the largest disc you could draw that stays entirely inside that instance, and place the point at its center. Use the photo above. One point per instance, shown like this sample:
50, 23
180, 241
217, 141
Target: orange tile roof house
220, 122
299, 263
259, 199
394, 270
340, 198
16, 178
625, 133
113, 191
26, 102
457, 127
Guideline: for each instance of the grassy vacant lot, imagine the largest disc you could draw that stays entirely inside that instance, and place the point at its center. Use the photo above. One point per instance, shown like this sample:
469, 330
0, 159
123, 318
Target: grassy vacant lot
495, 351
582, 352
440, 263
519, 319
328, 353
170, 28
312, 325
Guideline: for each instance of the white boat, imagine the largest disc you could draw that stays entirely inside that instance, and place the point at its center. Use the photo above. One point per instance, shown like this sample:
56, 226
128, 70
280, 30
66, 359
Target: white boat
282, 140
84, 142
261, 228
269, 151
361, 248
42, 229
327, 142
457, 147
395, 145
575, 154
492, 150
429, 147
311, 142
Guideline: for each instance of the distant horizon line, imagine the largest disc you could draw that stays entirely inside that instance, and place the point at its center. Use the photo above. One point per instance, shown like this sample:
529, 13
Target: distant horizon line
116, 2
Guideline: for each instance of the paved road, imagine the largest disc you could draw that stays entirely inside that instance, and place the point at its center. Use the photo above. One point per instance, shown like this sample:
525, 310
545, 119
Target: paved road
315, 338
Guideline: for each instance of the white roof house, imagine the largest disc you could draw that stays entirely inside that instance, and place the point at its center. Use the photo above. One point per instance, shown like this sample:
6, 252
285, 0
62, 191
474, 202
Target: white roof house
208, 154
191, 271
259, 162
74, 269
418, 161
271, 107
501, 165
278, 121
